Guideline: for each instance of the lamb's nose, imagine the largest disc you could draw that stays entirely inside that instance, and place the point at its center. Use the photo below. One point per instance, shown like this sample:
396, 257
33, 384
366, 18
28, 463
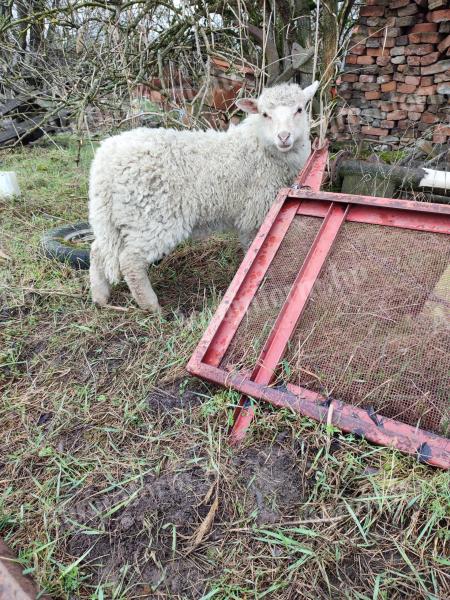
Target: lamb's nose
283, 136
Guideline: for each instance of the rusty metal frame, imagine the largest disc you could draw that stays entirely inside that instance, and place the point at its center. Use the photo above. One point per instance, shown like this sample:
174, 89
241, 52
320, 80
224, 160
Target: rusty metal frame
305, 198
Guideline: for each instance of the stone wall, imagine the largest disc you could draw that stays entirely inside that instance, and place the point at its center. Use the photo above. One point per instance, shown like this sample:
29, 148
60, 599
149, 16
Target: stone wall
396, 81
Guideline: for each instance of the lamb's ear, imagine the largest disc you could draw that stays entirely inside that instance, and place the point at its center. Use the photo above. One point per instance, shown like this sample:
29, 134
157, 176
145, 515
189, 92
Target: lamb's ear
248, 105
310, 91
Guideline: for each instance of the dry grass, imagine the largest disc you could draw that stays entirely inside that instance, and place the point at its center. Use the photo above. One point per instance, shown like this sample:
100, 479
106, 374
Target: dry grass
116, 479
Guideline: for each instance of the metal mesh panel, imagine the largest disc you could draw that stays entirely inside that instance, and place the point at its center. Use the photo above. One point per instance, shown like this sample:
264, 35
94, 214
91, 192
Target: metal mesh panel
376, 331
254, 328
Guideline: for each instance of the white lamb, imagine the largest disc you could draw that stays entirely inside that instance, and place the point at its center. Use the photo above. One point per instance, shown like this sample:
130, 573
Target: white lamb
150, 189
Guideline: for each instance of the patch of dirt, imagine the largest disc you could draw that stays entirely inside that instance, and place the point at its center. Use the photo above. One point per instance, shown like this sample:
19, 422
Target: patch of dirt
273, 479
146, 528
181, 394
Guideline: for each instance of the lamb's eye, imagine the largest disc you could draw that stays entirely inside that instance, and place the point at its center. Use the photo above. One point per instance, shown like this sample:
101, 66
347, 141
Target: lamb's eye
299, 109
265, 115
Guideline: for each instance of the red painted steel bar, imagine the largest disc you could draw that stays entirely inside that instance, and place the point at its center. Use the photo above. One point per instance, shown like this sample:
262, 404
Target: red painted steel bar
389, 217
291, 311
432, 449
423, 207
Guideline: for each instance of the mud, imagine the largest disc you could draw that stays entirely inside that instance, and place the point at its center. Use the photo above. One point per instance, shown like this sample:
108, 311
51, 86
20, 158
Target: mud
144, 535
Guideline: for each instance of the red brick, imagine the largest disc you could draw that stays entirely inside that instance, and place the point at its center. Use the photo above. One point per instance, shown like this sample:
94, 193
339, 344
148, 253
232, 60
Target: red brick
415, 38
444, 129
384, 79
391, 86
424, 27
372, 95
377, 51
429, 118
412, 80
397, 115
438, 67
403, 88
365, 60
350, 77
440, 77
428, 90
430, 38
444, 44
371, 11
426, 81
429, 59
437, 16
419, 49
398, 3
398, 60
414, 116
413, 60
351, 59
383, 61
387, 124
399, 77
357, 49
374, 131
388, 106
367, 78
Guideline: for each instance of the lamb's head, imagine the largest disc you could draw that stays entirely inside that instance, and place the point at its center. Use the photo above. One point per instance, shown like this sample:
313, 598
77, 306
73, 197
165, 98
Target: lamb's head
282, 117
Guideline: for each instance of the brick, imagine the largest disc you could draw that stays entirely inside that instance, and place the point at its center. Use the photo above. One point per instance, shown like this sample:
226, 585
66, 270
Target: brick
398, 4
430, 38
351, 59
428, 90
412, 107
444, 44
374, 131
418, 49
386, 69
397, 51
415, 99
424, 27
412, 80
371, 11
429, 59
375, 113
415, 38
365, 60
350, 77
444, 27
439, 138
367, 78
384, 79
399, 77
414, 61
357, 49
401, 40
414, 116
436, 16
383, 61
437, 99
368, 87
377, 51
398, 60
443, 88
438, 67
372, 95
403, 88
387, 124
388, 106
440, 77
405, 21
429, 118
373, 43
426, 81
409, 9
441, 128
391, 86
397, 115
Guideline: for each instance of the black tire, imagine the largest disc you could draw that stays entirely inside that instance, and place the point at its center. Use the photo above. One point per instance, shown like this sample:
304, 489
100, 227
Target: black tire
58, 244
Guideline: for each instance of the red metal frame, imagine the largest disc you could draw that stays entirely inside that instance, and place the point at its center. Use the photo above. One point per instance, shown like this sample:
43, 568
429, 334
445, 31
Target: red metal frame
305, 198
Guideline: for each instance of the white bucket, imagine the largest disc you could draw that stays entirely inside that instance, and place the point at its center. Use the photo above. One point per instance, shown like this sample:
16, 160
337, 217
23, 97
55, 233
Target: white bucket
9, 186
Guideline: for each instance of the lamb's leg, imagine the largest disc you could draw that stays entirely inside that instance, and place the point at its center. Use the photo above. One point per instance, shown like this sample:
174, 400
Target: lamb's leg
100, 286
134, 271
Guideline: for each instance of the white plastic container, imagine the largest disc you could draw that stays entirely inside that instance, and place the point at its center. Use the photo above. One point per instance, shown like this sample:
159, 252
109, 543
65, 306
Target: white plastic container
9, 186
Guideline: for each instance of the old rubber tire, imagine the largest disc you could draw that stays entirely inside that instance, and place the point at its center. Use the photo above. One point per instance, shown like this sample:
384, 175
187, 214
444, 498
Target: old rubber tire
59, 244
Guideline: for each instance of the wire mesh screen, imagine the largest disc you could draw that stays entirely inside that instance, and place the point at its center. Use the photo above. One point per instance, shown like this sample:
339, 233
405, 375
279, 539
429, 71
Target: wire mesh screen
375, 332
255, 327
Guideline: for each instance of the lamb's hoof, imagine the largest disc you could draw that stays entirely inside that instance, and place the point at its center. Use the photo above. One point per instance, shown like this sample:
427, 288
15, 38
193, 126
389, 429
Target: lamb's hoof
152, 308
100, 301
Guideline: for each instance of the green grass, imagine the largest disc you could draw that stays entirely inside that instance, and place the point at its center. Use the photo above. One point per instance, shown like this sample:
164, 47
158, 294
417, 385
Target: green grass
109, 450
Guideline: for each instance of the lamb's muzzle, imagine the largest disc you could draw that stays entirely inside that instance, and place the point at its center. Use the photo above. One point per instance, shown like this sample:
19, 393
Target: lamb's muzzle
150, 189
